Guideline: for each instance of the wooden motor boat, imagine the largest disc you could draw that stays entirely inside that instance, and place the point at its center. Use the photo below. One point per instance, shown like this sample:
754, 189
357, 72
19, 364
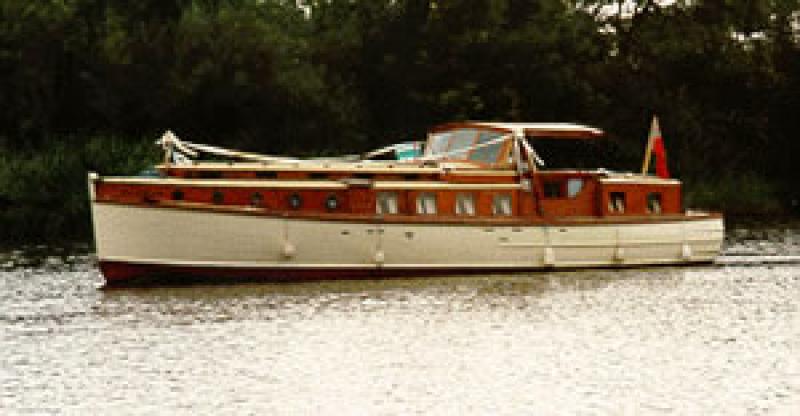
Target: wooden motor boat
476, 200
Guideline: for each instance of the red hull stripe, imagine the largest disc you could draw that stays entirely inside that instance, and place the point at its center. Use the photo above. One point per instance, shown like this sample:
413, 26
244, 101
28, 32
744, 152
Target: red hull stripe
119, 273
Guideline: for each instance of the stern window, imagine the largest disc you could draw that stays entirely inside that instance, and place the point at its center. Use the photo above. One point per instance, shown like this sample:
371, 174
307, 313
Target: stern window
501, 205
386, 203
426, 203
616, 202
465, 204
654, 202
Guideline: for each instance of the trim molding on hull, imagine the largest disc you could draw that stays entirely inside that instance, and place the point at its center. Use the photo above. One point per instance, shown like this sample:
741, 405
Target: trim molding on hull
444, 221
126, 274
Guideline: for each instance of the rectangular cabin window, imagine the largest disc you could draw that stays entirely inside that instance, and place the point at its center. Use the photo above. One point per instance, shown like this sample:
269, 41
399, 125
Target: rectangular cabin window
317, 175
574, 187
654, 203
465, 204
386, 203
553, 189
501, 205
616, 202
426, 203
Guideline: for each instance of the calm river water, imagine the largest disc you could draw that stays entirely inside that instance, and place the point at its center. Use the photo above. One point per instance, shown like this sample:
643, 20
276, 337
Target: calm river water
718, 339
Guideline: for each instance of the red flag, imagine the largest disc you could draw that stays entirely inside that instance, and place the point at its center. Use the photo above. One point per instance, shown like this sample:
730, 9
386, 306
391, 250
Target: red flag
657, 143
661, 158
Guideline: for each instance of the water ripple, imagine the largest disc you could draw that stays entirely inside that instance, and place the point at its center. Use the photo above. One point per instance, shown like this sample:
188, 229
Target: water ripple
696, 340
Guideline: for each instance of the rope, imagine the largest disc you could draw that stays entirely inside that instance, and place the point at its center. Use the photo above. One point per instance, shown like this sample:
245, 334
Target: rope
181, 151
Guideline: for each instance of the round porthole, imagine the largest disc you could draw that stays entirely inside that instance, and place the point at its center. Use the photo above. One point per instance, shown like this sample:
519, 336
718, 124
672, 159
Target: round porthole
177, 195
332, 203
295, 201
257, 200
217, 197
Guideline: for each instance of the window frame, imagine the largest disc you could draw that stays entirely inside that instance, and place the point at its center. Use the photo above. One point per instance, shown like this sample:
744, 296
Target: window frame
658, 197
553, 184
295, 201
447, 137
465, 196
421, 206
580, 181
501, 212
381, 196
614, 198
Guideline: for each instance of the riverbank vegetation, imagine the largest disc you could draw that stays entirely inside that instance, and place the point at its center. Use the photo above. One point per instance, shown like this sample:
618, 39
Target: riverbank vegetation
90, 84
44, 192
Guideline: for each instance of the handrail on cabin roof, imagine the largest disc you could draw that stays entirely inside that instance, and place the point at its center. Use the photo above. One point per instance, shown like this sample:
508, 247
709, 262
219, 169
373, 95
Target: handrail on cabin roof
544, 130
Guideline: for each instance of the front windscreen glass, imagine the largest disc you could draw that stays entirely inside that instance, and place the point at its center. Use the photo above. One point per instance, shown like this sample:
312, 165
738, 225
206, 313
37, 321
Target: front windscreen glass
488, 153
438, 143
460, 144
460, 141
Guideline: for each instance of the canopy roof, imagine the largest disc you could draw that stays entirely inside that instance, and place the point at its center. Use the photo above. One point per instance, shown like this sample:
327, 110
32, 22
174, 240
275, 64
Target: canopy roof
549, 130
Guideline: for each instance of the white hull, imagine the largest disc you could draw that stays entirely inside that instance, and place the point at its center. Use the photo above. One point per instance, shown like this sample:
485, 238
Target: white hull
226, 241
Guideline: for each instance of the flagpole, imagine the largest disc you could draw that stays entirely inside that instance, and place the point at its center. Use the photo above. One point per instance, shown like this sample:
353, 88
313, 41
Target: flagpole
648, 153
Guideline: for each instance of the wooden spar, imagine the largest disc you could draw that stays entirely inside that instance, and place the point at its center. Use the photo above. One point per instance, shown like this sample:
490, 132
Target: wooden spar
388, 149
649, 149
531, 156
166, 142
646, 162
236, 153
170, 142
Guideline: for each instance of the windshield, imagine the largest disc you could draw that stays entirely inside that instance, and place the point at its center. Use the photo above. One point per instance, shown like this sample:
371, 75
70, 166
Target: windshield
464, 144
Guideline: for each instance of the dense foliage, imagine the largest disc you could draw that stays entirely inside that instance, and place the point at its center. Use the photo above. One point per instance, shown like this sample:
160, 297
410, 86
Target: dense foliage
318, 76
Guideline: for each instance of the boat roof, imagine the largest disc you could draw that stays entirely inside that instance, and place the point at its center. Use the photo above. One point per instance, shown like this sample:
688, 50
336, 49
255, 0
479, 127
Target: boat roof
544, 130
